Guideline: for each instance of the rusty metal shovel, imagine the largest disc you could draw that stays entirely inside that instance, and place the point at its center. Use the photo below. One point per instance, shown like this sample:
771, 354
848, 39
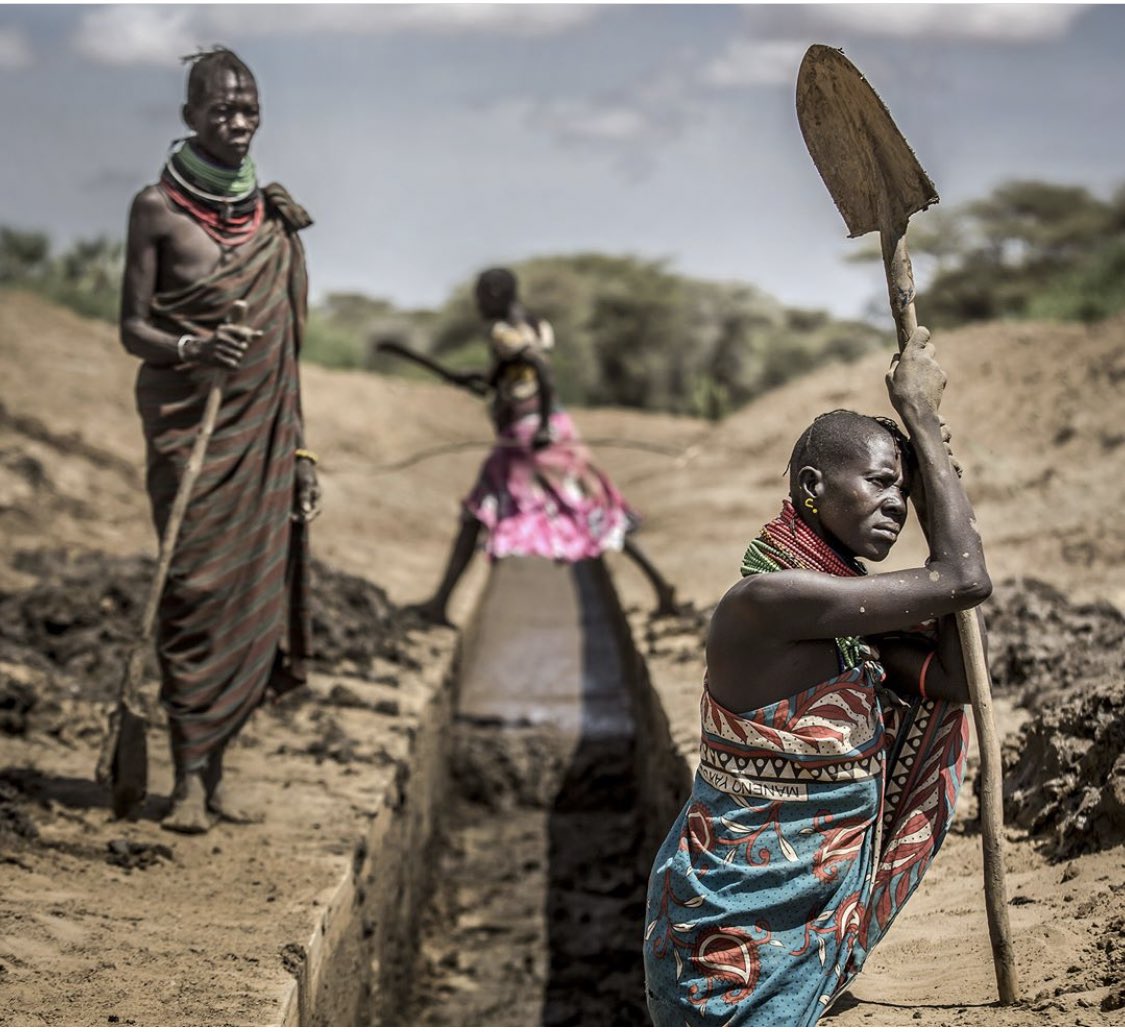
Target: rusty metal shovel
877, 184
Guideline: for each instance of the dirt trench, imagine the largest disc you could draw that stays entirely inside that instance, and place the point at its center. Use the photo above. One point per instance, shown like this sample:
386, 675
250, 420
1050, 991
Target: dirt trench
539, 860
499, 873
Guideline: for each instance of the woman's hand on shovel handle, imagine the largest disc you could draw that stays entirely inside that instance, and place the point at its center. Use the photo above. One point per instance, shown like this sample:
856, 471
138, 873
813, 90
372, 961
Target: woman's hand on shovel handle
915, 381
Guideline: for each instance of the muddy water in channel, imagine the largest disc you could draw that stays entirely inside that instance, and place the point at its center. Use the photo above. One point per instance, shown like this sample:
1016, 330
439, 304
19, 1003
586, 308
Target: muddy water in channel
538, 910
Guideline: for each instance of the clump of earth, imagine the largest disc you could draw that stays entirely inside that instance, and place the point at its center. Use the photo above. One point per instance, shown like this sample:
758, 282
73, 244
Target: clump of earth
1064, 778
66, 637
1042, 647
63, 651
1064, 775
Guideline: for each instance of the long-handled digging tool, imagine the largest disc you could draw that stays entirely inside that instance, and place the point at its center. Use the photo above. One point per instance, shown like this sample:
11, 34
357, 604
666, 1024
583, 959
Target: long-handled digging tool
473, 381
877, 184
123, 761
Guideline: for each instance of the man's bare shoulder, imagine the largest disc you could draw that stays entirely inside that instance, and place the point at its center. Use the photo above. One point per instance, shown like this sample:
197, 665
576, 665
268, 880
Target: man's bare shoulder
149, 205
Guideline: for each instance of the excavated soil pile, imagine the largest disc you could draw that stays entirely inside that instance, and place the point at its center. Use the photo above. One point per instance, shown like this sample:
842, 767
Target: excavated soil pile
16, 824
1042, 647
66, 636
1065, 776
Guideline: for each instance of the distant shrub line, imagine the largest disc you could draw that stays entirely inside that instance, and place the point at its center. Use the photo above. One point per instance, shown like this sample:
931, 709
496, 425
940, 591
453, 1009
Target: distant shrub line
633, 333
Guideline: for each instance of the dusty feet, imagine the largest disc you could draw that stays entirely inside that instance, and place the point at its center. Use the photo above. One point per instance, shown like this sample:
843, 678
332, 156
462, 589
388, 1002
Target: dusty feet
227, 806
188, 814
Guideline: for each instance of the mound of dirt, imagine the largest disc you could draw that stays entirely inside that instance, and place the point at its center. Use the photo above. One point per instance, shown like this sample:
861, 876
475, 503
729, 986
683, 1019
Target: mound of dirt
16, 824
71, 628
1065, 776
1042, 646
355, 623
66, 636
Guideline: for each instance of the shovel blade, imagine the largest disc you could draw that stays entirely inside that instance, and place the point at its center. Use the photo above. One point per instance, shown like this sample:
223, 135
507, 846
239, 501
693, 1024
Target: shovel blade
869, 169
123, 763
130, 765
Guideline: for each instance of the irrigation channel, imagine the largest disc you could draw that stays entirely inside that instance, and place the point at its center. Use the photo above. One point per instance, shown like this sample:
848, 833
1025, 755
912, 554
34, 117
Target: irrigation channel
539, 858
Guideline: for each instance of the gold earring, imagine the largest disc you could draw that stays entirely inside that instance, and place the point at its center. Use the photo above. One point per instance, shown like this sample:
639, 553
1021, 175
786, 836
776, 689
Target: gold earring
809, 505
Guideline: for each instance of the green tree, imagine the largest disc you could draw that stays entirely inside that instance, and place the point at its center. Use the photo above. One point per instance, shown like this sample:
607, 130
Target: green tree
23, 255
1018, 253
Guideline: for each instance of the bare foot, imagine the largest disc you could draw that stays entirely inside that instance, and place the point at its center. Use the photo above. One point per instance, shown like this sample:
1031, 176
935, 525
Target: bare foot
429, 612
227, 807
188, 814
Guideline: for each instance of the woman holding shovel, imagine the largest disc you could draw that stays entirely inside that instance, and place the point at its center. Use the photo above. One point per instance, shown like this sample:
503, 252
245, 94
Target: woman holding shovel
833, 726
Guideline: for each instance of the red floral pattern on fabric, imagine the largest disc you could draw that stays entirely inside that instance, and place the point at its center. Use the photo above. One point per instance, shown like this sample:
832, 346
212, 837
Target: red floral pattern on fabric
698, 839
728, 960
841, 845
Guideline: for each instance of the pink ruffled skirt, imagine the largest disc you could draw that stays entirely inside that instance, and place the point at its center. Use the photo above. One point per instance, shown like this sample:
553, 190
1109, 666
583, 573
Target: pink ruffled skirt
553, 503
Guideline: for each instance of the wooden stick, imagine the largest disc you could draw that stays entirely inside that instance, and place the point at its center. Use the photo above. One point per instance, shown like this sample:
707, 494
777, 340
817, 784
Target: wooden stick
900, 289
473, 382
991, 807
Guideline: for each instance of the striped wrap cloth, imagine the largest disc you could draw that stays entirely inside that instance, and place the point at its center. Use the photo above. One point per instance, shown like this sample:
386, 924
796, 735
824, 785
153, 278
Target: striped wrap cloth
233, 617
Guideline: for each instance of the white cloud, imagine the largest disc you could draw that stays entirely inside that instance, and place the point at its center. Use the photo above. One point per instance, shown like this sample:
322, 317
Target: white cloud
1000, 23
505, 19
124, 35
780, 33
137, 34
748, 62
15, 52
590, 121
630, 126
380, 19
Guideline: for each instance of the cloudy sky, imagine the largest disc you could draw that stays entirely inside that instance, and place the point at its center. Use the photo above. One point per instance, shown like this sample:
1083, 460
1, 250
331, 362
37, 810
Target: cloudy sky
428, 141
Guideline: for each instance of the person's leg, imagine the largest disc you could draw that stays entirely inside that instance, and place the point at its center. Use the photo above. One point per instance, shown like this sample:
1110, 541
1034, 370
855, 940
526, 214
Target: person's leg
665, 593
221, 800
434, 608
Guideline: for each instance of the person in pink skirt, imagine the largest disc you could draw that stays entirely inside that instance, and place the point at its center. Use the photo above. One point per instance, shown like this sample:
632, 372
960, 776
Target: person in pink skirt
538, 492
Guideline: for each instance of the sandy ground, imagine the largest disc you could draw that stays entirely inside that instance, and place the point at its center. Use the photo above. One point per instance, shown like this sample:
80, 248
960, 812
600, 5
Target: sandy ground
1040, 430
106, 923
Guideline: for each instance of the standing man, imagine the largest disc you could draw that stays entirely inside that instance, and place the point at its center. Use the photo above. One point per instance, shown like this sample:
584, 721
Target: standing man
232, 620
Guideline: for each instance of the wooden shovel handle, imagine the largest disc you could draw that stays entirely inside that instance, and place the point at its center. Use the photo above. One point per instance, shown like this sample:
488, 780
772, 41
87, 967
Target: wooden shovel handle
991, 807
900, 290
134, 663
237, 313
180, 503
900, 282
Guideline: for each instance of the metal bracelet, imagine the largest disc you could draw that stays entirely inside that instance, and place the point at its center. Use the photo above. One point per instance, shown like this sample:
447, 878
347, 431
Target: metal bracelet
180, 345
304, 453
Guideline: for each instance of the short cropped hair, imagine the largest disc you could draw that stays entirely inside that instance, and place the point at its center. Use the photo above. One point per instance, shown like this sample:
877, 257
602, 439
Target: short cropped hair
497, 288
206, 64
831, 438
